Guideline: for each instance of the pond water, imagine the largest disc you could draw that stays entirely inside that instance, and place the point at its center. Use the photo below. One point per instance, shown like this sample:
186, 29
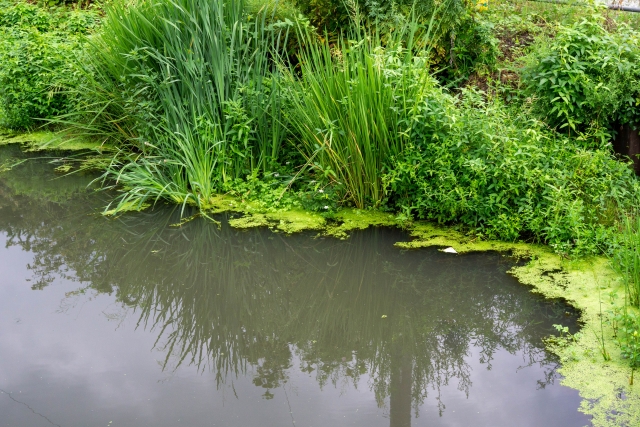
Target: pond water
135, 322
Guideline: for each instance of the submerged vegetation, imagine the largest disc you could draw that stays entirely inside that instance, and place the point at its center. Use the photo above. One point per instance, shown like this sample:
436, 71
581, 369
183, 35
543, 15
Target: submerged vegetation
499, 122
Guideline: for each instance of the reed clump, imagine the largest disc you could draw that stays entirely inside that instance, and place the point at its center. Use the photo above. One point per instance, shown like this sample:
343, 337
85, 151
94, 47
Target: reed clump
626, 258
186, 89
353, 103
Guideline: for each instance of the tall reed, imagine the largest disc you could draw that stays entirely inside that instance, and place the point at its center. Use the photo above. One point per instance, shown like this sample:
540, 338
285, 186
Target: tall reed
626, 259
352, 103
187, 84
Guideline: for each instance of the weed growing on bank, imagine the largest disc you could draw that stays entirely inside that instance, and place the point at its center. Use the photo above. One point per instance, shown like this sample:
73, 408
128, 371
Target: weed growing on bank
586, 78
352, 104
37, 47
506, 176
194, 106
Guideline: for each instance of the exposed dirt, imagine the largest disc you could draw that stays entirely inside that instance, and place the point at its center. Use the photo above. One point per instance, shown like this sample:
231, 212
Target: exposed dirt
512, 43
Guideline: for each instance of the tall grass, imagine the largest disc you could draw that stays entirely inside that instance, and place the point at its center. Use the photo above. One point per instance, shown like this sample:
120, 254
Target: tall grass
352, 103
627, 258
187, 84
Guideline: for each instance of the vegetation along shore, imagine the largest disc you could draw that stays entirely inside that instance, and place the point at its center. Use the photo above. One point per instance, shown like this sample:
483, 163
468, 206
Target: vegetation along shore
480, 126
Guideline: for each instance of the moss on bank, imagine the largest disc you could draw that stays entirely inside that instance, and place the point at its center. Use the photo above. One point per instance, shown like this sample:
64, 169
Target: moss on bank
46, 140
591, 286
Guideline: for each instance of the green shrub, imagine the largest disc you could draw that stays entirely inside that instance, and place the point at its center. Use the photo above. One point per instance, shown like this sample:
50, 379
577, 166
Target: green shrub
335, 16
37, 48
25, 15
33, 67
473, 47
461, 42
586, 77
504, 176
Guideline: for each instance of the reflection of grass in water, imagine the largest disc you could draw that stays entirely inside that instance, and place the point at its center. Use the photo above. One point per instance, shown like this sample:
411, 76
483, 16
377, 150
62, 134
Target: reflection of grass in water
223, 300
32, 176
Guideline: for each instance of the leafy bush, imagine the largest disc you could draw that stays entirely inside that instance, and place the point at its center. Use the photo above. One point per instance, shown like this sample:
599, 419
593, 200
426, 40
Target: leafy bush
505, 177
473, 48
586, 77
36, 52
335, 16
461, 42
24, 15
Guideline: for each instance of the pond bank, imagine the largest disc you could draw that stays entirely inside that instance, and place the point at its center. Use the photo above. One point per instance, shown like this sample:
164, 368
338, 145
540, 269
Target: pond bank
587, 284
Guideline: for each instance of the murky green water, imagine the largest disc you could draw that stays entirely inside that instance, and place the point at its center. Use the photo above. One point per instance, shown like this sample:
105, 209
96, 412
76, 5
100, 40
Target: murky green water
133, 322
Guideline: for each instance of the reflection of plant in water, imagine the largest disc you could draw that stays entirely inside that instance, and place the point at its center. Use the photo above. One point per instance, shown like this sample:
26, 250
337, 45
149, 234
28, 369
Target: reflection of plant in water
226, 300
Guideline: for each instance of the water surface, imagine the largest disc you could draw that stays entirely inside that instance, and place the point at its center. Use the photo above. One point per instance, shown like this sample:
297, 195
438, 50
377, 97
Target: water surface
135, 322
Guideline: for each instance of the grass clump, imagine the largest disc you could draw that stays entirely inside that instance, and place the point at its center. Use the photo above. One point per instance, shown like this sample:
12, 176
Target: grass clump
185, 87
626, 258
351, 105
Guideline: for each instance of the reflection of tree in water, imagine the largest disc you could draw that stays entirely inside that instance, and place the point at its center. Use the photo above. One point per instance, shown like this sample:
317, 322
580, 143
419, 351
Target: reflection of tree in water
224, 300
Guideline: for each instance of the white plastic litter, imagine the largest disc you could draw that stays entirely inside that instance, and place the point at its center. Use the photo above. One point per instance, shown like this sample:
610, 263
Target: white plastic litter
450, 250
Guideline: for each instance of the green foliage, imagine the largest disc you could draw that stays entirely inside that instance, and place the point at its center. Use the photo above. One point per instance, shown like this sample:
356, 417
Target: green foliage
352, 104
586, 77
24, 15
626, 257
565, 338
506, 177
208, 106
460, 41
473, 47
336, 16
627, 329
36, 51
278, 10
196, 103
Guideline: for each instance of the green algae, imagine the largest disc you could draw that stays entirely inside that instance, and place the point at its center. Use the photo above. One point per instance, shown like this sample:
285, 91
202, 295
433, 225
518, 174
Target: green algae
593, 287
46, 140
7, 137
349, 220
80, 153
291, 221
